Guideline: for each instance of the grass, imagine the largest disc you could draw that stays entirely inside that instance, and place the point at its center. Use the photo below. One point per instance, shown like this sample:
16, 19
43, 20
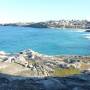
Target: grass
65, 72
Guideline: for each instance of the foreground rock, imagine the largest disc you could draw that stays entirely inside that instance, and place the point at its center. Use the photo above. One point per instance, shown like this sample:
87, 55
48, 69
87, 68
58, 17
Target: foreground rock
78, 82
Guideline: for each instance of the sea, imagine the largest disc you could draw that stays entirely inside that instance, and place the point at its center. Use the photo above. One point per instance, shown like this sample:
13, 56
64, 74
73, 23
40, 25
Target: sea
49, 41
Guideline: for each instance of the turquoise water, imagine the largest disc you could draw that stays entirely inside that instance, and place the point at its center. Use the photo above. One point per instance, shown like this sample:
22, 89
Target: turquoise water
46, 41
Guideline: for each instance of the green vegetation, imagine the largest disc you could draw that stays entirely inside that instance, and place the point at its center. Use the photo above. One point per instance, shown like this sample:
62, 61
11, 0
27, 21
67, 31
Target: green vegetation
72, 60
65, 72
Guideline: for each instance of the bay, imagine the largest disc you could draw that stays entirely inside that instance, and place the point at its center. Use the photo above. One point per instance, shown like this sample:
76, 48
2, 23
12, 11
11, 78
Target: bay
46, 41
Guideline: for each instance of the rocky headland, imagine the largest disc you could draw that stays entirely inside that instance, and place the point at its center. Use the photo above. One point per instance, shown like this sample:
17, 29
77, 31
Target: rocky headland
75, 24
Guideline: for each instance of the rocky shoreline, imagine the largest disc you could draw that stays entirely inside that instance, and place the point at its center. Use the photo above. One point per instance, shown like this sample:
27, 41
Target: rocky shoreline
36, 64
30, 70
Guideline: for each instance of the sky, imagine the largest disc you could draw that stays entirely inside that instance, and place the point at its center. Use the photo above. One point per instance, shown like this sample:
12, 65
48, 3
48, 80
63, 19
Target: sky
43, 10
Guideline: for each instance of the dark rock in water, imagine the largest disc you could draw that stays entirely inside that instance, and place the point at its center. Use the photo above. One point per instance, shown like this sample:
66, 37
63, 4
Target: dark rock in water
87, 31
76, 82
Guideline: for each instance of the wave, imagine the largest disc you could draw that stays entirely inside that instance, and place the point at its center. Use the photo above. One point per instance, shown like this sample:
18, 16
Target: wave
78, 30
81, 30
87, 36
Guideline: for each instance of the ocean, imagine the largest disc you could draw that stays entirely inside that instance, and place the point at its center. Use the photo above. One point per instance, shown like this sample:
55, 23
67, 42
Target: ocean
50, 41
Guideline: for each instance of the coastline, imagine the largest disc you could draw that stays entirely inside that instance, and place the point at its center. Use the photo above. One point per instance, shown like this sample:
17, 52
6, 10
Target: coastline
73, 29
31, 70
46, 28
73, 24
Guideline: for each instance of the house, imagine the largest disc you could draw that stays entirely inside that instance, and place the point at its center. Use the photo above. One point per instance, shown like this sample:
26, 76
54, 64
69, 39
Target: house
87, 26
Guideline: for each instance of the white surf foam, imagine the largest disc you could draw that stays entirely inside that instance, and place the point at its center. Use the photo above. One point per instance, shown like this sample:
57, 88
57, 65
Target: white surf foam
87, 36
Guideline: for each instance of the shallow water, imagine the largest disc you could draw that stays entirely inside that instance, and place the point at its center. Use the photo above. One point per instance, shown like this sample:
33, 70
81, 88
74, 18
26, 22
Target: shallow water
46, 41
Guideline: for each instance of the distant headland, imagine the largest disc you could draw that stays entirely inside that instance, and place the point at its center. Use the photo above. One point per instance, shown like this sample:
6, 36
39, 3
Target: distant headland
77, 24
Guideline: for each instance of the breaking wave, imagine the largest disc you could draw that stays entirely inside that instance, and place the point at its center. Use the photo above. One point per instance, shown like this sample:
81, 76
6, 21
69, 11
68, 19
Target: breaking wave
87, 36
